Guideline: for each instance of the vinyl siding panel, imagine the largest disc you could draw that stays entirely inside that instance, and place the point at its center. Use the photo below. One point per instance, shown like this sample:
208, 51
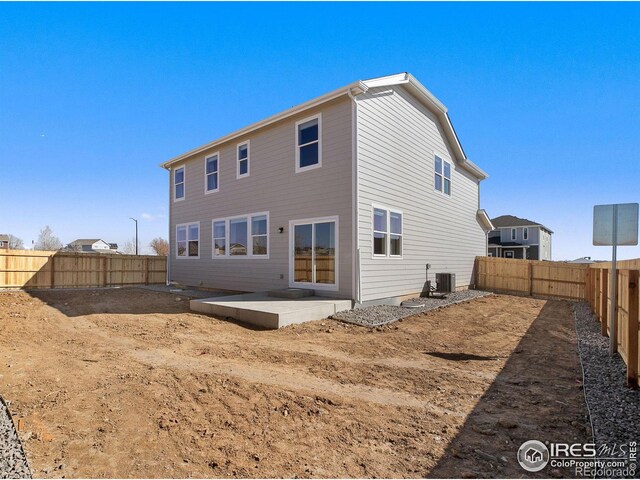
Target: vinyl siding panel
272, 186
397, 140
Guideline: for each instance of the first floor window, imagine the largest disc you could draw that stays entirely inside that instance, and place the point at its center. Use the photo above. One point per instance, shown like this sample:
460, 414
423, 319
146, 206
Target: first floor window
442, 176
243, 236
238, 236
387, 232
219, 238
188, 240
379, 231
259, 234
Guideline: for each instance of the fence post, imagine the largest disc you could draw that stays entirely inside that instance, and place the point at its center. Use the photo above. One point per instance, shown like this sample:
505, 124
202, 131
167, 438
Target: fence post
615, 299
530, 268
146, 270
632, 330
604, 311
587, 286
53, 270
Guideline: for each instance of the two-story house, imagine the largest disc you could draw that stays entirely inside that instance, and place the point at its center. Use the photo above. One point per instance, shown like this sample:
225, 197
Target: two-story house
350, 194
515, 237
92, 245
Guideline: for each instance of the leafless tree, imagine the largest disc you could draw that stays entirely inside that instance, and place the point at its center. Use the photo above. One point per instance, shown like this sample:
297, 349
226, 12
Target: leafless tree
15, 243
129, 247
160, 246
47, 240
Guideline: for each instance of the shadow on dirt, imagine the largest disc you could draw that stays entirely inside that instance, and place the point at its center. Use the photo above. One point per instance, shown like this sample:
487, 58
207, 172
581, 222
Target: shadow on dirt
118, 301
461, 357
538, 390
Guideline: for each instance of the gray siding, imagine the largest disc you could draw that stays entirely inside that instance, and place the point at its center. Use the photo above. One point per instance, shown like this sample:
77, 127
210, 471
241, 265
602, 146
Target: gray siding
397, 139
533, 239
272, 186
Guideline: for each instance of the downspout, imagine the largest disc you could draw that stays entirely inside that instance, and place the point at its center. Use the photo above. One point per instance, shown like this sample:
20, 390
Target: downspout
356, 283
168, 281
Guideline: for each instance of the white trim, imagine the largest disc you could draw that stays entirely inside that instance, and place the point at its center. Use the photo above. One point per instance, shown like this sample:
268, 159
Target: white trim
316, 286
299, 169
183, 183
248, 159
388, 233
206, 175
249, 217
356, 88
187, 256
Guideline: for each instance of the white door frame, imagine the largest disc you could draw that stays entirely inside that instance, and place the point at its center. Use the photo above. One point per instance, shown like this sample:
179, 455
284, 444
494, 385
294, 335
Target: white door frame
315, 286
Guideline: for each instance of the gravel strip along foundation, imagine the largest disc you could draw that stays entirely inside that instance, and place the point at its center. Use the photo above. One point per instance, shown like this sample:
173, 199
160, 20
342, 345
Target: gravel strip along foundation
13, 462
615, 408
379, 315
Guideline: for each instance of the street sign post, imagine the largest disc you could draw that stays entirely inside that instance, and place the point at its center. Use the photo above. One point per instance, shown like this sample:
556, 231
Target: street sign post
615, 225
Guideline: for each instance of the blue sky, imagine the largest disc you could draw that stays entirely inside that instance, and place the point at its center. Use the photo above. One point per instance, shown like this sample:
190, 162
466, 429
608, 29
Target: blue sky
545, 97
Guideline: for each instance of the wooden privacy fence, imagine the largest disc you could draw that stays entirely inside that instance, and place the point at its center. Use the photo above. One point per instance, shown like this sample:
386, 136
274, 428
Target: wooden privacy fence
34, 269
626, 314
531, 277
588, 282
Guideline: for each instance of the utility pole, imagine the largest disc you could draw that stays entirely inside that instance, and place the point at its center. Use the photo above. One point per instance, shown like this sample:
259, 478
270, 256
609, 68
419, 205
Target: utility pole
136, 233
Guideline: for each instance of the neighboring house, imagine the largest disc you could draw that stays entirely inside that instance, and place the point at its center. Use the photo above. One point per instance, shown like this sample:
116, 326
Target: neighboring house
350, 194
92, 245
585, 260
4, 241
515, 237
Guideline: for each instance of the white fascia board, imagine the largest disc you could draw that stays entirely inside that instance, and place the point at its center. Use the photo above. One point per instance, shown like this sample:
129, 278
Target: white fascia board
485, 220
358, 87
435, 105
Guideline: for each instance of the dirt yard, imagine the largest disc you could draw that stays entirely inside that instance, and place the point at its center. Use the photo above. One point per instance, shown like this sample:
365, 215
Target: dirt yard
129, 383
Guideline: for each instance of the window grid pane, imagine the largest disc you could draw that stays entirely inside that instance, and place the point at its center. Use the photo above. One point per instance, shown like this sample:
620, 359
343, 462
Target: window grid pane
396, 222
438, 165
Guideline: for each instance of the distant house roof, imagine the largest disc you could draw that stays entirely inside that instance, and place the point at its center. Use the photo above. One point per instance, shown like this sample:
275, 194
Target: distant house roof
506, 221
113, 246
496, 241
4, 237
585, 260
86, 241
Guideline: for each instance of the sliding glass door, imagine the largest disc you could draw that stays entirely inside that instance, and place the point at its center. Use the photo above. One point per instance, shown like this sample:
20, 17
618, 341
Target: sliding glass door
314, 253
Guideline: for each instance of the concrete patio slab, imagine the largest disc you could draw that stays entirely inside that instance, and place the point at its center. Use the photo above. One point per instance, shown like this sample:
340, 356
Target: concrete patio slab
270, 312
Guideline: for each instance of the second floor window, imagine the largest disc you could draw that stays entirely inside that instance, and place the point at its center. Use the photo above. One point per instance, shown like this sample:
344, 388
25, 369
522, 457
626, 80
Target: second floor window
308, 146
525, 233
243, 160
178, 182
442, 176
211, 173
513, 234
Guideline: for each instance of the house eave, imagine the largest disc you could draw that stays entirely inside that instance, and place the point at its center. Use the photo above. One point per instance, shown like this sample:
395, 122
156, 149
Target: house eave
354, 88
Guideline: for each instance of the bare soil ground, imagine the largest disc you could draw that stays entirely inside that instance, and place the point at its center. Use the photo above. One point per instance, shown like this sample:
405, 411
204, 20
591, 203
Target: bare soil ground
130, 383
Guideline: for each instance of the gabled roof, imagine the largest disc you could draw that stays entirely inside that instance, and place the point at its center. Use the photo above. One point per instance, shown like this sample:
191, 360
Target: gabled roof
509, 221
86, 241
354, 89
4, 237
